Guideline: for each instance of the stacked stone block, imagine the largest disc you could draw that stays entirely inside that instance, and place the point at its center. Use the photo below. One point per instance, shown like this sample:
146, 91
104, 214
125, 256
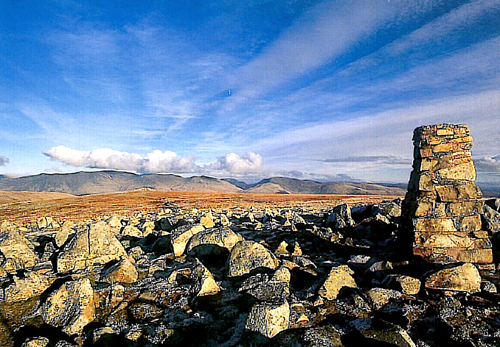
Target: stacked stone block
442, 204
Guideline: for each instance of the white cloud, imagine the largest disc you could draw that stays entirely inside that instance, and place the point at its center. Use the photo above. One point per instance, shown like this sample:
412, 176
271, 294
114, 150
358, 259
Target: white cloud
489, 164
233, 163
154, 162
3, 160
105, 158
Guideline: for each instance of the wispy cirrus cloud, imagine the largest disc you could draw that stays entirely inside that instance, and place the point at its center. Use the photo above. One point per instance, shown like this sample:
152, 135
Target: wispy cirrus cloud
383, 159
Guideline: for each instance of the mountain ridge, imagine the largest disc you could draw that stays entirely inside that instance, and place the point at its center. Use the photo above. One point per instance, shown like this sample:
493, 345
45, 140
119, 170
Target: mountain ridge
108, 181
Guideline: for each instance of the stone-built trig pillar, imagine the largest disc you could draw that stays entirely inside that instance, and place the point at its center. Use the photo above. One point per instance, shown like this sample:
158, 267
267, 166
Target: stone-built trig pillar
442, 204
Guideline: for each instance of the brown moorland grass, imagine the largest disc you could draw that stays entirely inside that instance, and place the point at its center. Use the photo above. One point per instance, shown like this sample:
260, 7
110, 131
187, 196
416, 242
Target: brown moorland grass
147, 201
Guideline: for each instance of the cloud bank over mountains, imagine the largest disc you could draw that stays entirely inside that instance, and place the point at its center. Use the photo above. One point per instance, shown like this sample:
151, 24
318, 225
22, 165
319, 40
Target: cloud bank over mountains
156, 161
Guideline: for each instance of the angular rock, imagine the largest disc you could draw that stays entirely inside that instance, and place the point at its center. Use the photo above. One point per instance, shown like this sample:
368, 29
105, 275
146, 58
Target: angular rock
339, 277
36, 342
405, 284
97, 245
269, 319
25, 288
461, 278
14, 246
206, 284
63, 234
207, 220
132, 231
202, 243
249, 255
379, 297
181, 236
491, 219
70, 307
324, 336
124, 271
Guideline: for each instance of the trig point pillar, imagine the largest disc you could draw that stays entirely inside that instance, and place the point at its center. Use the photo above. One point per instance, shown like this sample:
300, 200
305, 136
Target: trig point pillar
442, 203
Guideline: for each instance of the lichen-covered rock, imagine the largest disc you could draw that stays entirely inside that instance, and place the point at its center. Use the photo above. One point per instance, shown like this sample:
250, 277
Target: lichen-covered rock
71, 306
63, 233
97, 245
131, 230
33, 284
269, 319
263, 288
388, 333
249, 255
324, 336
461, 278
491, 219
207, 220
206, 284
14, 246
39, 341
339, 277
340, 218
124, 271
405, 284
181, 236
379, 297
203, 242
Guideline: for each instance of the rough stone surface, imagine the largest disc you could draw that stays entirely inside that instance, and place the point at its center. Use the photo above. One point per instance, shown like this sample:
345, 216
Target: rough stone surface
33, 284
182, 235
96, 245
14, 246
269, 319
339, 277
124, 271
270, 277
249, 255
463, 278
442, 206
70, 307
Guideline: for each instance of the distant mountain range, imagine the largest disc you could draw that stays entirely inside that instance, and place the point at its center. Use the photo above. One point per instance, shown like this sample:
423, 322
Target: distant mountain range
96, 182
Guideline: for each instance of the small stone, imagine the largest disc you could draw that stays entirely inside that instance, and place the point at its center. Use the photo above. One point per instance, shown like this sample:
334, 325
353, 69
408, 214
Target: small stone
381, 296
206, 284
36, 342
207, 220
182, 235
63, 234
339, 277
406, 284
203, 242
13, 245
124, 271
491, 219
131, 230
269, 319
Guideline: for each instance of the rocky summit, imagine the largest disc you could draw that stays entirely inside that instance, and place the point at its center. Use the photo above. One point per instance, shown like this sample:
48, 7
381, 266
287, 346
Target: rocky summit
362, 274
296, 276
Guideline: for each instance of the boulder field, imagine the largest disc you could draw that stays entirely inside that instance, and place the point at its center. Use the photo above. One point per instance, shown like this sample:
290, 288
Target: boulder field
340, 276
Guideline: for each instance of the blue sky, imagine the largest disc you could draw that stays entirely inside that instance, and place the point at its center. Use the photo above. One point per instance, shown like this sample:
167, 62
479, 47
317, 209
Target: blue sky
320, 90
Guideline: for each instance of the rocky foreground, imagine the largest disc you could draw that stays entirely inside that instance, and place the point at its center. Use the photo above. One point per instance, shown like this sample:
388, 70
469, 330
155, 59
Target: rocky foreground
341, 276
